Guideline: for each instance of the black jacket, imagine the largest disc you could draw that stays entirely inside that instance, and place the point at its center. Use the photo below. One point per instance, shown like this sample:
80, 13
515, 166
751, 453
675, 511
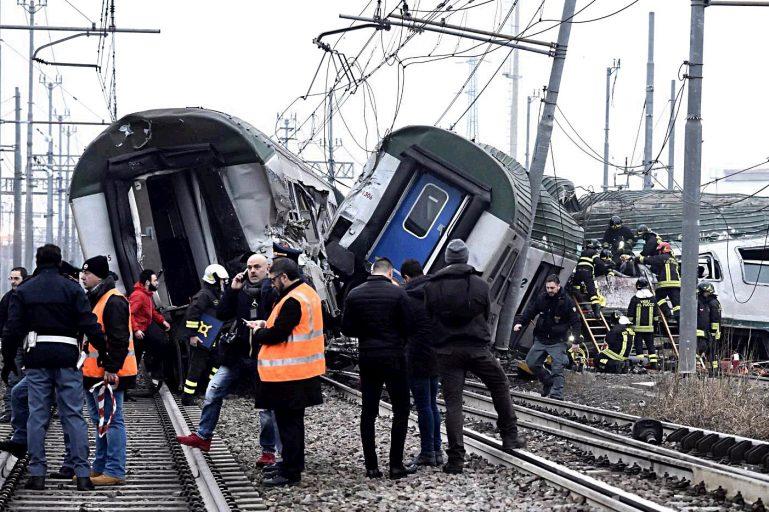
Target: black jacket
419, 352
603, 267
557, 317
620, 340
378, 314
252, 302
614, 236
457, 300
4, 303
714, 309
117, 330
294, 394
651, 241
49, 304
204, 302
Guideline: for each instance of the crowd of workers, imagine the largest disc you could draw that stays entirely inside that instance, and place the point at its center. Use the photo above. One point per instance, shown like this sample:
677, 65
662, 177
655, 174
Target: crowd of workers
264, 328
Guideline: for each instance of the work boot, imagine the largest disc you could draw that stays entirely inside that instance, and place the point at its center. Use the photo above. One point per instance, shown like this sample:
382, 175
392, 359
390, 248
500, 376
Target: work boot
513, 444
402, 472
84, 484
64, 473
280, 480
454, 467
439, 457
424, 459
188, 399
18, 450
266, 459
373, 473
91, 475
195, 441
35, 483
106, 480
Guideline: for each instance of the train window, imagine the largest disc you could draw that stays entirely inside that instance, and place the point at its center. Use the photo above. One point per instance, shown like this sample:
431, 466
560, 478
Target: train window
755, 265
709, 267
425, 210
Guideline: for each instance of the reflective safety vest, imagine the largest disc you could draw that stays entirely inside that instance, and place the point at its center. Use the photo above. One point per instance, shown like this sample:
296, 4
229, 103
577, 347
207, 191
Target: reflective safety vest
669, 276
91, 367
620, 355
301, 356
643, 319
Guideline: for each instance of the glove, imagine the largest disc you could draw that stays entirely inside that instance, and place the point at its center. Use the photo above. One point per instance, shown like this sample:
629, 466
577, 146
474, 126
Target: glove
8, 367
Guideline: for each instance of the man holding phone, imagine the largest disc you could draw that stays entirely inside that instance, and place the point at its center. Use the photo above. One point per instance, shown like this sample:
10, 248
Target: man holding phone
250, 297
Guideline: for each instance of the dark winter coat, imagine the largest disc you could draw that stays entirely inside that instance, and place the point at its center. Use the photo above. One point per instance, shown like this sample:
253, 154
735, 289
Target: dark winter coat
614, 236
603, 267
295, 394
49, 304
419, 352
117, 331
204, 302
619, 340
377, 312
557, 317
651, 241
457, 301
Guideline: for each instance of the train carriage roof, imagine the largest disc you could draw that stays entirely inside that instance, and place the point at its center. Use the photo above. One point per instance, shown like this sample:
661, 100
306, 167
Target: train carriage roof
721, 215
178, 137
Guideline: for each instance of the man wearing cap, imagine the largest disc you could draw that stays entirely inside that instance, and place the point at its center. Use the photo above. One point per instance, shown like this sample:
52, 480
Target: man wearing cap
113, 364
49, 313
457, 300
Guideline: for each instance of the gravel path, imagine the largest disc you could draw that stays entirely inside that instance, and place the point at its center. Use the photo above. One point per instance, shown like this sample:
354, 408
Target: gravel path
335, 480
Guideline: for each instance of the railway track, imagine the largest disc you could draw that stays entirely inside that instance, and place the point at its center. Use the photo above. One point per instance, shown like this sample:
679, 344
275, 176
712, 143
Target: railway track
593, 491
161, 474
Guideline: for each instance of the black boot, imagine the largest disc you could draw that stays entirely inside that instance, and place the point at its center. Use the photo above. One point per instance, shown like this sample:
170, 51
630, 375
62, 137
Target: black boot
84, 484
402, 472
18, 450
64, 473
188, 399
36, 483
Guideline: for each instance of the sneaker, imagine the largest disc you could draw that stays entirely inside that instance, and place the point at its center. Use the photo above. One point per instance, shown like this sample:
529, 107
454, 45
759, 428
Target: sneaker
424, 459
266, 459
106, 480
195, 441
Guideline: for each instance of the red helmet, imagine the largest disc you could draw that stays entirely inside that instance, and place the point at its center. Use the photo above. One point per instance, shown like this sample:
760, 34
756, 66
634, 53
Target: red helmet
663, 248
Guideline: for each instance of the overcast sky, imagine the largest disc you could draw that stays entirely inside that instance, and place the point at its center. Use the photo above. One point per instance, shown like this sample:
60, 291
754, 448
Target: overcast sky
253, 58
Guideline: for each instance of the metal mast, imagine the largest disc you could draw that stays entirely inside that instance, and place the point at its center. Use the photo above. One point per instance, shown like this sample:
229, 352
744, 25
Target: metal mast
17, 185
648, 164
49, 160
672, 136
514, 75
472, 93
609, 71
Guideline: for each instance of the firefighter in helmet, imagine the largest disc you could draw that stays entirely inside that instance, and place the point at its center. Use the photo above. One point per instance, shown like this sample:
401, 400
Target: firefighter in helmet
708, 324
584, 275
615, 357
665, 267
642, 312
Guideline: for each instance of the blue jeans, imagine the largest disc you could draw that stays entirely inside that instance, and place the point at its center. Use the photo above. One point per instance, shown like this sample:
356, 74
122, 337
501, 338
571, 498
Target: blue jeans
269, 439
13, 379
111, 448
68, 384
425, 393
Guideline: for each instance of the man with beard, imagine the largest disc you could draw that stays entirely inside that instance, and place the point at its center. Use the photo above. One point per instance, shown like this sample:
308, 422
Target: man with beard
146, 322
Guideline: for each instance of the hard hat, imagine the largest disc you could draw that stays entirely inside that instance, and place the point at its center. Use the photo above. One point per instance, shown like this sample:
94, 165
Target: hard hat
642, 229
704, 287
623, 320
663, 248
606, 253
213, 272
615, 220
641, 283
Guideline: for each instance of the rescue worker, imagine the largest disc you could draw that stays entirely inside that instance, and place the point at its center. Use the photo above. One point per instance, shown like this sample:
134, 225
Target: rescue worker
642, 312
584, 274
50, 313
617, 233
604, 266
113, 364
196, 327
619, 340
290, 361
665, 267
377, 313
249, 297
651, 240
146, 324
706, 293
557, 324
457, 301
15, 277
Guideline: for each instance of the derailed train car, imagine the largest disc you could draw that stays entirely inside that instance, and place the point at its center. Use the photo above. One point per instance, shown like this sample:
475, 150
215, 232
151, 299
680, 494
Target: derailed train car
179, 189
425, 186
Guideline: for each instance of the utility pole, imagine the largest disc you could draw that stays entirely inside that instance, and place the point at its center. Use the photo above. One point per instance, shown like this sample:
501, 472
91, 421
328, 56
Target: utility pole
60, 188
672, 136
17, 185
69, 239
514, 75
609, 71
529, 99
472, 94
648, 164
49, 155
330, 140
289, 126
541, 149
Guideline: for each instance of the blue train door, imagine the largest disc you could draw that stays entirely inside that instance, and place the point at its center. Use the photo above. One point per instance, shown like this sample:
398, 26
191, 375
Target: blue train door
416, 227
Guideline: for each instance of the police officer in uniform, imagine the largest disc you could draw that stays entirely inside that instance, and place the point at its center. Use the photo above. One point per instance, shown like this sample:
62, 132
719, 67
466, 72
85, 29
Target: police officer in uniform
642, 312
584, 275
50, 313
204, 302
710, 324
619, 340
665, 267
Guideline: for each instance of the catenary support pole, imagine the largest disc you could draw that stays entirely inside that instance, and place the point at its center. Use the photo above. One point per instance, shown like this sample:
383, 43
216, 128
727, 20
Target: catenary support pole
330, 142
672, 137
609, 71
691, 208
60, 189
529, 99
68, 237
515, 77
29, 220
649, 134
49, 164
541, 149
17, 240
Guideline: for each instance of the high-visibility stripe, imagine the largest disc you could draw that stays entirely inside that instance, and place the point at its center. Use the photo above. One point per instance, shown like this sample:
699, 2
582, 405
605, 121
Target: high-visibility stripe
662, 301
290, 361
306, 337
700, 333
94, 354
612, 355
192, 324
189, 391
190, 383
676, 308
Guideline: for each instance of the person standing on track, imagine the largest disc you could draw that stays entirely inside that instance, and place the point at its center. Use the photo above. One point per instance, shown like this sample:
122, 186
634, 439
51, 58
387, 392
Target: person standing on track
642, 312
377, 313
146, 322
665, 267
457, 301
113, 364
49, 313
16, 277
557, 323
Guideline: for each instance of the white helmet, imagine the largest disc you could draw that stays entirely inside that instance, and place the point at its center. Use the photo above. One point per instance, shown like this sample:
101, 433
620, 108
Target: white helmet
623, 320
214, 271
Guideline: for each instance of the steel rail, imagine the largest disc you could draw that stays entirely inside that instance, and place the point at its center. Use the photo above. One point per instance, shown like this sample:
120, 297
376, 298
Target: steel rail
593, 490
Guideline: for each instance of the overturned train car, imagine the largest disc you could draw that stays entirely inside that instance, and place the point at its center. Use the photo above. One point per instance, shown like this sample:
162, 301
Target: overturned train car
179, 189
425, 186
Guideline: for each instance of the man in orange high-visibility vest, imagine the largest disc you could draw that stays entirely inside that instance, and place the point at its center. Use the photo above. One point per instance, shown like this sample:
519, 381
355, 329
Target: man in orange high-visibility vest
116, 366
290, 360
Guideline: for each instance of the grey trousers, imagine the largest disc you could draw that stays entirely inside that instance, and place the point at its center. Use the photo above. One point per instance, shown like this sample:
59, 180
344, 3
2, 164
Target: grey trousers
552, 381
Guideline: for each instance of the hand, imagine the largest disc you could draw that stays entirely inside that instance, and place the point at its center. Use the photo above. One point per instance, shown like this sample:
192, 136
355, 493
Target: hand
139, 335
8, 367
255, 324
166, 326
111, 378
194, 341
517, 327
575, 347
237, 281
